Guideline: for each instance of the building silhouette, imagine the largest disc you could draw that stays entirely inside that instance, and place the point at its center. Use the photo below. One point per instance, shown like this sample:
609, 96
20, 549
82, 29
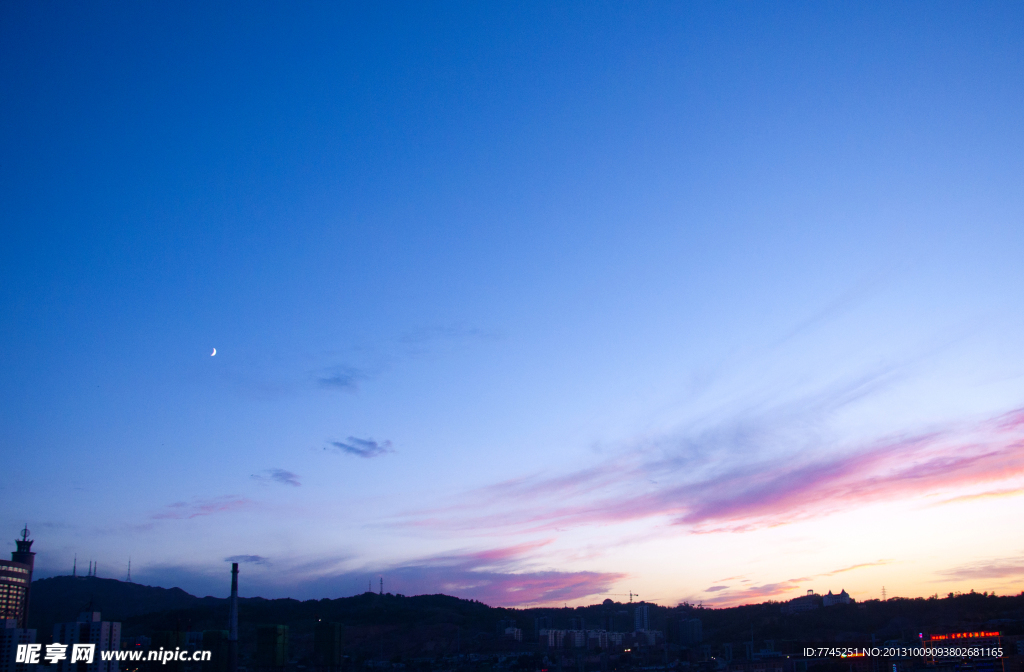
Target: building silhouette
10, 637
642, 617
839, 598
90, 628
807, 602
271, 646
175, 639
16, 582
233, 621
691, 631
505, 623
216, 642
327, 639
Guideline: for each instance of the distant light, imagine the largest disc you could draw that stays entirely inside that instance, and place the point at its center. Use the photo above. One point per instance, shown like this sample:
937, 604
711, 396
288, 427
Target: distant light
964, 635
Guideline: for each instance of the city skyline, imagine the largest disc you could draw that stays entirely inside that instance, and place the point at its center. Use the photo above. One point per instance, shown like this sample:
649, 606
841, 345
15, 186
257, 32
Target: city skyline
534, 305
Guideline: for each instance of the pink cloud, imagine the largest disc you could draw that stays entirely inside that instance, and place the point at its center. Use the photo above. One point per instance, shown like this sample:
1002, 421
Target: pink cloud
497, 555
893, 470
734, 493
203, 507
529, 588
991, 494
780, 590
495, 577
755, 594
853, 567
999, 568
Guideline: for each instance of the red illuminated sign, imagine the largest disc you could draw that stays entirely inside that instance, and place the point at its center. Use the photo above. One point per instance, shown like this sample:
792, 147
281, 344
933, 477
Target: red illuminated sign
965, 635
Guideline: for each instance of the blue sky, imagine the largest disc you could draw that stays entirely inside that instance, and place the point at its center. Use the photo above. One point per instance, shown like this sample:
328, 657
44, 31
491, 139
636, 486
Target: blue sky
524, 303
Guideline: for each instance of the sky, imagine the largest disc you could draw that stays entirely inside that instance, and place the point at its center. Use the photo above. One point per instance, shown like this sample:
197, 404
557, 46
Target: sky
527, 303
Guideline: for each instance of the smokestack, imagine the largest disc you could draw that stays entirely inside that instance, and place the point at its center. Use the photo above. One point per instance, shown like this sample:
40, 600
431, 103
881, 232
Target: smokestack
233, 621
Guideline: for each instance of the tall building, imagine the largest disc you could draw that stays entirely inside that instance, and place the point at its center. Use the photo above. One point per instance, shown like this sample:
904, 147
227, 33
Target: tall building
327, 638
170, 640
505, 623
642, 617
10, 636
691, 631
16, 582
216, 642
233, 621
271, 646
89, 629
554, 639
515, 634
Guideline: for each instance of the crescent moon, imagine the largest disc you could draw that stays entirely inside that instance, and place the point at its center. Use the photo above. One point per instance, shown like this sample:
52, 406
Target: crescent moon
212, 354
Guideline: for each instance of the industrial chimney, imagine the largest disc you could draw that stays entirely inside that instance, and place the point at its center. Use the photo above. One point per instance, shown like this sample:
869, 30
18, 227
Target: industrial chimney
233, 621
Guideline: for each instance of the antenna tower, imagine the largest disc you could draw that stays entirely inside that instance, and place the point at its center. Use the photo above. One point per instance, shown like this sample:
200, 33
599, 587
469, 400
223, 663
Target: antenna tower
129, 569
382, 585
883, 594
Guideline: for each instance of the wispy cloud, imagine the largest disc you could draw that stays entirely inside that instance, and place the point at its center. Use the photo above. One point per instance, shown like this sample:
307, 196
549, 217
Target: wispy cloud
724, 480
725, 597
281, 476
497, 577
990, 494
877, 563
341, 378
501, 576
999, 568
362, 447
251, 559
203, 507
280, 377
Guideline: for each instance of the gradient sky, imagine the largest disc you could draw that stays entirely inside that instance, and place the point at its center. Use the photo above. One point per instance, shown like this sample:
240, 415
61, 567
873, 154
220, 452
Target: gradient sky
527, 303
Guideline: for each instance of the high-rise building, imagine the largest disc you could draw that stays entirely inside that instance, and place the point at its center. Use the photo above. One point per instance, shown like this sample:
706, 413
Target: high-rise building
514, 634
327, 638
233, 621
16, 582
216, 642
553, 639
505, 623
642, 617
691, 632
10, 637
90, 628
170, 640
271, 646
